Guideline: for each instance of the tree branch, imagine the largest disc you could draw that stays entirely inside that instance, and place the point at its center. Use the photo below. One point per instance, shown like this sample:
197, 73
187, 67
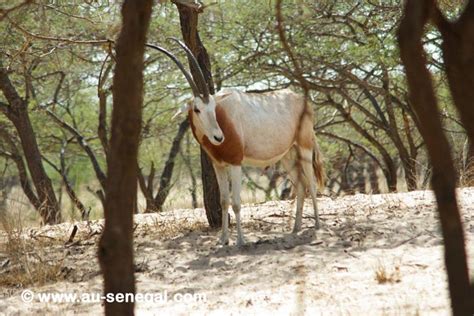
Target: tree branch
83, 143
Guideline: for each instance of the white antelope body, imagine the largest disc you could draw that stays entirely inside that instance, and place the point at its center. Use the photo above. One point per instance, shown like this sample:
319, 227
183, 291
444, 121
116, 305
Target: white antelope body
259, 129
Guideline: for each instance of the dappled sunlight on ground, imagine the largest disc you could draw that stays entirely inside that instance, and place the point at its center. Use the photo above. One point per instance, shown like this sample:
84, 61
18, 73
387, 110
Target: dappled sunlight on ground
375, 253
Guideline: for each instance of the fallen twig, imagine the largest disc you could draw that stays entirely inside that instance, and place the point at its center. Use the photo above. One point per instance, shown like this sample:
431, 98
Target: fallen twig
73, 234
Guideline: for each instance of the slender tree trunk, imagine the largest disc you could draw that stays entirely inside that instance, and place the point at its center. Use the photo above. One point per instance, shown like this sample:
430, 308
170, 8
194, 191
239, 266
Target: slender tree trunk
346, 177
165, 179
390, 170
272, 184
411, 175
188, 15
147, 188
423, 100
373, 179
360, 178
155, 204
17, 113
390, 174
410, 172
187, 161
116, 243
62, 171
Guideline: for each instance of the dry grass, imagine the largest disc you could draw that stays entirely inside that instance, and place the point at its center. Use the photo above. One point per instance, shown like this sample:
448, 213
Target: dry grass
169, 229
22, 258
31, 274
33, 257
384, 275
466, 177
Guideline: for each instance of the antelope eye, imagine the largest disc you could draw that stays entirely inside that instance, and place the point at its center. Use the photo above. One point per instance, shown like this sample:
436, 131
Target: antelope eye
197, 111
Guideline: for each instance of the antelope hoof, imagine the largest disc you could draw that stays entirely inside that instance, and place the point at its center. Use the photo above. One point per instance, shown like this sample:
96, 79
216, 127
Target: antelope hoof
224, 240
240, 242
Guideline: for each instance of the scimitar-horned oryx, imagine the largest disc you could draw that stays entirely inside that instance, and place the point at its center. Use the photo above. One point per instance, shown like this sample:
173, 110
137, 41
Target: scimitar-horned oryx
257, 129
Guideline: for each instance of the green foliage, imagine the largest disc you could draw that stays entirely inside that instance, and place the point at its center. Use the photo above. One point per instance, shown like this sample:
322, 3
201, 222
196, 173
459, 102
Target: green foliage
58, 53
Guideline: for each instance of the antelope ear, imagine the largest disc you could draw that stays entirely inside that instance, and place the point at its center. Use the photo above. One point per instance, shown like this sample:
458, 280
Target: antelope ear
182, 109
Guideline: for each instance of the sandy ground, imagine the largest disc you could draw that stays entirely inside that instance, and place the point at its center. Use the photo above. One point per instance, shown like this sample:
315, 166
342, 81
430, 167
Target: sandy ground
332, 271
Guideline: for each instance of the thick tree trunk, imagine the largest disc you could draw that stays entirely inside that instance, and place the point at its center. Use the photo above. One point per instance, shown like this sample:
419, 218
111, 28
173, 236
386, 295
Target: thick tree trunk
116, 243
424, 102
188, 15
458, 49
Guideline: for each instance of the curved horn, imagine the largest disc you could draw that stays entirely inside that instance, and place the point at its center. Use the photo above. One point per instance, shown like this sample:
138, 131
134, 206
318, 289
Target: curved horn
188, 76
201, 81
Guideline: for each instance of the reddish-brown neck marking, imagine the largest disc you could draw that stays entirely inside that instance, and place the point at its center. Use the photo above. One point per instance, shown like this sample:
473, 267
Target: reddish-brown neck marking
231, 150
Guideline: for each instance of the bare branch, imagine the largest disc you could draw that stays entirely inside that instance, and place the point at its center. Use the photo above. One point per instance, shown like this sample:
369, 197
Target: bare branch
60, 39
354, 144
83, 143
69, 189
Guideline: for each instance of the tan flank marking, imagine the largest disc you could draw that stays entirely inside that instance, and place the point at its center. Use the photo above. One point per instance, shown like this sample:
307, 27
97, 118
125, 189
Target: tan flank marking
305, 138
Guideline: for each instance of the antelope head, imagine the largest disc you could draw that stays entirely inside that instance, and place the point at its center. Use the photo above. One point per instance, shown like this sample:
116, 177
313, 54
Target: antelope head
203, 106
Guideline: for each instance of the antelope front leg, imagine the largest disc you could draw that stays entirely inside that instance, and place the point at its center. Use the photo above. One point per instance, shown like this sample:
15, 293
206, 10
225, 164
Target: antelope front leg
236, 178
223, 181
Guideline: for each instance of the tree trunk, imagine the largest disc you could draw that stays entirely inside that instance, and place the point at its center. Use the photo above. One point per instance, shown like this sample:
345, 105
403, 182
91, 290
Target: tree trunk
155, 204
272, 184
457, 53
165, 179
147, 188
360, 178
373, 179
468, 179
116, 244
188, 15
390, 170
25, 182
390, 174
423, 100
187, 161
411, 175
17, 113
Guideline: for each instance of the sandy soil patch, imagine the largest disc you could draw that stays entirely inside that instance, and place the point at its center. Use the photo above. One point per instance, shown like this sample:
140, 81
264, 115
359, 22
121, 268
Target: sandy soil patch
377, 254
